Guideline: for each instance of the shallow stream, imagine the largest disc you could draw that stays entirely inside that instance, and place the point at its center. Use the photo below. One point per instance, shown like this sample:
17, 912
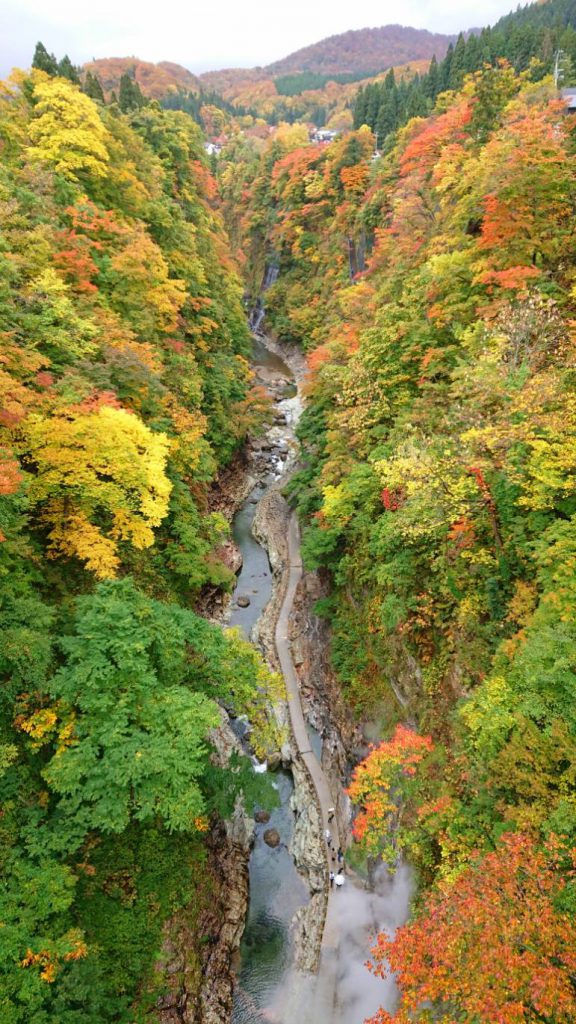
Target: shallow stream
268, 988
276, 888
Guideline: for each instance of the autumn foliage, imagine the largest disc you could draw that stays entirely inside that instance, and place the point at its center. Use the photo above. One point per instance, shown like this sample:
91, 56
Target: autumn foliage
378, 784
498, 944
432, 288
124, 388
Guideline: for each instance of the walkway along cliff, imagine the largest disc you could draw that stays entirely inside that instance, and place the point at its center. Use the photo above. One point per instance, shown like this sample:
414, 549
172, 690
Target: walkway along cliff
302, 955
327, 980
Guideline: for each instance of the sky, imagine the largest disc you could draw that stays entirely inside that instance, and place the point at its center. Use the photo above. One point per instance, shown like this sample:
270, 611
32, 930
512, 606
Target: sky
212, 33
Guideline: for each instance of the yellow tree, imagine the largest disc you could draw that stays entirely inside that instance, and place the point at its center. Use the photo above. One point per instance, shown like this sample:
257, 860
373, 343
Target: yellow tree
99, 478
66, 130
142, 290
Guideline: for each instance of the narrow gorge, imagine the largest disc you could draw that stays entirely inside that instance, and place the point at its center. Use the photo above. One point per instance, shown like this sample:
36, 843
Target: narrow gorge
302, 956
287, 532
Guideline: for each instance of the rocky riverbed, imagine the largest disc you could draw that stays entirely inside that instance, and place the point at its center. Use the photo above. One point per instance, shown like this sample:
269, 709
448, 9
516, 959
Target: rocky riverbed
201, 983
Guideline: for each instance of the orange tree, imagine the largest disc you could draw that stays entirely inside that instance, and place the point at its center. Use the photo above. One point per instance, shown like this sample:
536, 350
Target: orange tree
381, 782
498, 944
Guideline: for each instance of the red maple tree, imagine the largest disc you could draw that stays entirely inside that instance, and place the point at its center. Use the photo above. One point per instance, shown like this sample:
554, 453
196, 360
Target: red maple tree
493, 946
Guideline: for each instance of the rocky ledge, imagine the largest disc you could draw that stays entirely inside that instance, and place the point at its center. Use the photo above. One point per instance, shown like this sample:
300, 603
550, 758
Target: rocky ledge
307, 849
307, 846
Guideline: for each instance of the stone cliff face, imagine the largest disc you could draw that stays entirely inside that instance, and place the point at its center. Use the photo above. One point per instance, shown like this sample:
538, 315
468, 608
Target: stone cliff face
199, 950
198, 960
230, 852
307, 849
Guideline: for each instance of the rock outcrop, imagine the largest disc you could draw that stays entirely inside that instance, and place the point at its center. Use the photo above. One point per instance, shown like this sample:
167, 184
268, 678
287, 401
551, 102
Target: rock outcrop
199, 950
307, 849
270, 528
272, 837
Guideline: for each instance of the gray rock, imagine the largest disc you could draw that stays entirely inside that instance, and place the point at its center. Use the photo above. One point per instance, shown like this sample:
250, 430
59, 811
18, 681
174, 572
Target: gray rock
262, 817
272, 837
230, 554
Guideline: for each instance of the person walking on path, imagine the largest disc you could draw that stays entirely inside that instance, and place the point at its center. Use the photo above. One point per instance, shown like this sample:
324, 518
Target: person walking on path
331, 813
340, 855
332, 876
339, 880
328, 836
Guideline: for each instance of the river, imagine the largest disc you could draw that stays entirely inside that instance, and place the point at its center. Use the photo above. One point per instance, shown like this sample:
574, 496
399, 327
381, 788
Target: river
268, 986
276, 888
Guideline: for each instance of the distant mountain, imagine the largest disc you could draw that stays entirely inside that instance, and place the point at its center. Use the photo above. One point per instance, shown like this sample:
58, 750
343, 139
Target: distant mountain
227, 80
155, 80
365, 50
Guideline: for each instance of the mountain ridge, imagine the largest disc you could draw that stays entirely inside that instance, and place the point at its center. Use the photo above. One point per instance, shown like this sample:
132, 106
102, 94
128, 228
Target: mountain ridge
365, 49
362, 52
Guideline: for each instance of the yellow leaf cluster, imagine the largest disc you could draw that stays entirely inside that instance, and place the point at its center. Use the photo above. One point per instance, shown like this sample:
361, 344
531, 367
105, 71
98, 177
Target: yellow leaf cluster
100, 479
67, 132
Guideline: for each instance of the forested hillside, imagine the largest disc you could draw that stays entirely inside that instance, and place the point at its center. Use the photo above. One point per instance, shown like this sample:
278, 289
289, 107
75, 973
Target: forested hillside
125, 387
537, 36
155, 80
366, 50
425, 262
433, 290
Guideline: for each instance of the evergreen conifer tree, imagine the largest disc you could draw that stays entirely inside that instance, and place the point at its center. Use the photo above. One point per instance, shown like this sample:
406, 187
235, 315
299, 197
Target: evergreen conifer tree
445, 68
92, 87
430, 82
458, 64
130, 96
44, 61
360, 108
67, 70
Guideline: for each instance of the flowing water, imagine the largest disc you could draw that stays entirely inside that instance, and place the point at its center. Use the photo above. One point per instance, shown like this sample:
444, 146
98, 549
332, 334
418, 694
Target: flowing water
257, 314
276, 893
268, 988
276, 888
254, 580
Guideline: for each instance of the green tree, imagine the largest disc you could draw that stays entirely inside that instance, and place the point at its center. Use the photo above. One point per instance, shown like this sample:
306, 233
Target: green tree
45, 61
431, 82
130, 730
130, 95
458, 64
67, 70
93, 88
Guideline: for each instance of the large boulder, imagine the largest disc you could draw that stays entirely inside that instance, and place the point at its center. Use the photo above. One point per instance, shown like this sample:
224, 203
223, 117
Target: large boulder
272, 837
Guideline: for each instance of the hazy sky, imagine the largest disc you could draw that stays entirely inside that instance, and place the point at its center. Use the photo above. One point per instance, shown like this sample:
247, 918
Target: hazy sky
212, 33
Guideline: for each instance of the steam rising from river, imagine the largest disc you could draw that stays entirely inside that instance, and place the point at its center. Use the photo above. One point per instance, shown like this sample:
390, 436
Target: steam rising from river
361, 915
345, 992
